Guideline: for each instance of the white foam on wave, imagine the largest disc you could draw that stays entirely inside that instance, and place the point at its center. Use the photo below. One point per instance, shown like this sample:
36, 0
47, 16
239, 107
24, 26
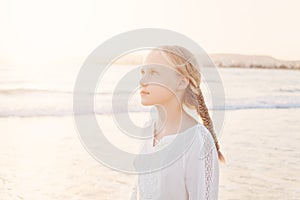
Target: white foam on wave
57, 103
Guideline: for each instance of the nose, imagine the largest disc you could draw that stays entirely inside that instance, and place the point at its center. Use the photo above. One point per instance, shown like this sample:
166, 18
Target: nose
142, 82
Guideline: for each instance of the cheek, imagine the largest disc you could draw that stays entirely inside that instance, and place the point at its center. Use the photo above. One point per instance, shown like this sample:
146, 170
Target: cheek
161, 92
166, 84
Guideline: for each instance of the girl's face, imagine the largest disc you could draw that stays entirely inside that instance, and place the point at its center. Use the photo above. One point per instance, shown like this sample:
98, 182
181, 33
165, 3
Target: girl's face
159, 82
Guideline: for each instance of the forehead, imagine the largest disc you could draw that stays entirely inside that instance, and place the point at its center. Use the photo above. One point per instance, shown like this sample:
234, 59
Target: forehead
156, 56
157, 59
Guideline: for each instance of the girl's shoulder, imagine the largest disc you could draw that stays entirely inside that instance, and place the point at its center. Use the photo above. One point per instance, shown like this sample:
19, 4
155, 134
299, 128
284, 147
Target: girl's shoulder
203, 142
202, 134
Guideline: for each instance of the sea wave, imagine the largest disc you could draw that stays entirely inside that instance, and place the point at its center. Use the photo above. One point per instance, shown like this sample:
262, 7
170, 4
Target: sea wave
39, 102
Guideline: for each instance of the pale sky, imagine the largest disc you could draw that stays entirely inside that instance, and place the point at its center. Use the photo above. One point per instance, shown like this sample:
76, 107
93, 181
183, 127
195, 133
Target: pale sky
35, 31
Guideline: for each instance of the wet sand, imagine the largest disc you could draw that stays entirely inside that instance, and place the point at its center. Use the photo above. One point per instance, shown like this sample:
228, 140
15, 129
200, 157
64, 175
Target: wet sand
43, 158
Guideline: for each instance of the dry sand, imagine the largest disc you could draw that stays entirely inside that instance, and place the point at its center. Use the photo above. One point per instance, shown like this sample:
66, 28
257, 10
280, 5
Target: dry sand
43, 158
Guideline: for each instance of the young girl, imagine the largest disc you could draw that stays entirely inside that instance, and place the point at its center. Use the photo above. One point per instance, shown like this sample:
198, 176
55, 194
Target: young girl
169, 81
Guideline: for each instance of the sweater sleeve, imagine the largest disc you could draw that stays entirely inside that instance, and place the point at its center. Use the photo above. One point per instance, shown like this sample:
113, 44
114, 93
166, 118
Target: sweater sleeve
134, 190
134, 187
202, 169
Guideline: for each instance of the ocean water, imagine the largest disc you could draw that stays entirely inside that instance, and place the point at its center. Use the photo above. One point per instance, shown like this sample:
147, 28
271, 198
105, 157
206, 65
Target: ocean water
42, 156
47, 91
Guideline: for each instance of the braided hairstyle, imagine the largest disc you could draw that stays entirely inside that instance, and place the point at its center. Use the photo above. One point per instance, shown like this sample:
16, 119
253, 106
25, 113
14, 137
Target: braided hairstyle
193, 97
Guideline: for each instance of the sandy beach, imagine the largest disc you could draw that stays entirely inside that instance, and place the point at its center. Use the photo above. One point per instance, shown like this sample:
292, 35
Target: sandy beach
43, 158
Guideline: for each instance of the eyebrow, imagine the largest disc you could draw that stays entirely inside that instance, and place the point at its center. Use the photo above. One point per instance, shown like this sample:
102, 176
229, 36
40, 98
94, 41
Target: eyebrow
148, 68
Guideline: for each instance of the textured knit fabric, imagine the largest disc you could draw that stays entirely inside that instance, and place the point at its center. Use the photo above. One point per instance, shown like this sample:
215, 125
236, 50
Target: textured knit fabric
194, 176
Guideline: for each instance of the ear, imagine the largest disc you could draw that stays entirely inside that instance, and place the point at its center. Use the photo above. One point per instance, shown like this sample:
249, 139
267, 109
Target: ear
183, 82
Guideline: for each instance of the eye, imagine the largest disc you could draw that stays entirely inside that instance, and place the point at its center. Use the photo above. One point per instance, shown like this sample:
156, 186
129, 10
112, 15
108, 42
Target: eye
153, 72
142, 72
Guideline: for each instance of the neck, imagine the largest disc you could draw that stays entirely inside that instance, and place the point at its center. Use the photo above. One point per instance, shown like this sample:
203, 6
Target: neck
169, 117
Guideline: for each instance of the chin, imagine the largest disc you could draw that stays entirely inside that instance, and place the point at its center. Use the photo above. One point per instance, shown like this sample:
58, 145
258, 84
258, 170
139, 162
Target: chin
147, 103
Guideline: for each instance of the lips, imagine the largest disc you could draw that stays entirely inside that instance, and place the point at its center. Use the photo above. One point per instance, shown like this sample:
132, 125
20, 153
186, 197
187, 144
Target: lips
143, 92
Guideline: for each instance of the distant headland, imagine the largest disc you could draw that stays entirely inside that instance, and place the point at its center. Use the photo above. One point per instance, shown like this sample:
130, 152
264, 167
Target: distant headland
226, 60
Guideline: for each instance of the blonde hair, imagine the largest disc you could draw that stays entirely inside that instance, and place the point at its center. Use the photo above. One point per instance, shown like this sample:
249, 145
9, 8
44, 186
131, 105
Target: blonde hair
186, 65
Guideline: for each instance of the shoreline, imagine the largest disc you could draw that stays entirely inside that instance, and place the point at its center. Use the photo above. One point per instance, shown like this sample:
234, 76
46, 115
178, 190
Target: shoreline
258, 67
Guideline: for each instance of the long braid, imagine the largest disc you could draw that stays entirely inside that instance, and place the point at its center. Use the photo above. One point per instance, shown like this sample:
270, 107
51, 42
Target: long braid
203, 112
